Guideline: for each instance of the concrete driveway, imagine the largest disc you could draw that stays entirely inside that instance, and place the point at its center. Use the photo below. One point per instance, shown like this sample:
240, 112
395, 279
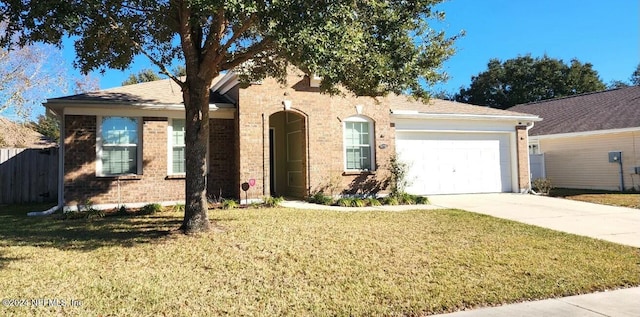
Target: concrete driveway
615, 224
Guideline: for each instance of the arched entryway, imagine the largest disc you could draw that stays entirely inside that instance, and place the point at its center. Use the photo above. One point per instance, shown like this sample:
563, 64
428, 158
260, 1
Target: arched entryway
287, 154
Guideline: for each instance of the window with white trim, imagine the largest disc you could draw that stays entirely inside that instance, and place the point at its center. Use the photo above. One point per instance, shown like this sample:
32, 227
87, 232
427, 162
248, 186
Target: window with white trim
534, 147
358, 144
118, 146
177, 163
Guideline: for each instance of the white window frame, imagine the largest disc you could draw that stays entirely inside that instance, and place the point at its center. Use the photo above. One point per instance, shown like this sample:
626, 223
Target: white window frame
534, 147
100, 143
170, 146
372, 152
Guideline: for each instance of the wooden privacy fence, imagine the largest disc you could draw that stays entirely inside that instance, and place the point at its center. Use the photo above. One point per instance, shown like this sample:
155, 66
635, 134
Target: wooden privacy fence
28, 175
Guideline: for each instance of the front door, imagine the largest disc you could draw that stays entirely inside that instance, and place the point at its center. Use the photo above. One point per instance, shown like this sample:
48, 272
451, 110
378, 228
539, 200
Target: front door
287, 150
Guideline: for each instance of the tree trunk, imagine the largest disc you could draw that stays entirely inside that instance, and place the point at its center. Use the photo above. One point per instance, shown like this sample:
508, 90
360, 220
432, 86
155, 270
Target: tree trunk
196, 98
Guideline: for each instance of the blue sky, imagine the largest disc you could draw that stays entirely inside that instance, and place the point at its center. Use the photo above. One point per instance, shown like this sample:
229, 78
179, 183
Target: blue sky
603, 33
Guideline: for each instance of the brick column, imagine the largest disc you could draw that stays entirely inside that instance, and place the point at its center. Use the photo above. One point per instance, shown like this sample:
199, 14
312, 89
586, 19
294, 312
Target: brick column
522, 140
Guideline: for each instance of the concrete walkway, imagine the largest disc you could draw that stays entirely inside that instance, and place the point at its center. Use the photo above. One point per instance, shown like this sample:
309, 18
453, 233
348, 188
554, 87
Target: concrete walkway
615, 224
618, 303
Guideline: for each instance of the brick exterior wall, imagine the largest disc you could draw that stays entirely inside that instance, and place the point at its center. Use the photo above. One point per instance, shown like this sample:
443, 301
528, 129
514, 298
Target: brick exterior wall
522, 139
324, 116
222, 180
82, 184
153, 185
239, 149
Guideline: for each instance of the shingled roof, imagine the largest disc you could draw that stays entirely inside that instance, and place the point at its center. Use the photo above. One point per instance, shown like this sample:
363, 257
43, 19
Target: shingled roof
603, 110
445, 107
167, 92
161, 92
18, 135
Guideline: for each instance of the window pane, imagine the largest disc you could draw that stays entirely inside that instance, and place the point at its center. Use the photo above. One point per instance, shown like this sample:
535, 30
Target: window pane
119, 130
178, 160
353, 158
119, 145
119, 160
178, 131
358, 145
364, 138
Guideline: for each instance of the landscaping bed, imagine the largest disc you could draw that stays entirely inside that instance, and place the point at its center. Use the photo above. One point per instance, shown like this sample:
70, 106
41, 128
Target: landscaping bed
279, 261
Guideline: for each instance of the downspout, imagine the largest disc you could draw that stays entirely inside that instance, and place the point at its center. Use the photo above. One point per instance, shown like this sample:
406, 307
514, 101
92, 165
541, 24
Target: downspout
529, 189
60, 204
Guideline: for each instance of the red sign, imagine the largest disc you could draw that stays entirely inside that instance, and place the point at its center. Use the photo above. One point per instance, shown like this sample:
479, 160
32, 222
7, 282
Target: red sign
252, 182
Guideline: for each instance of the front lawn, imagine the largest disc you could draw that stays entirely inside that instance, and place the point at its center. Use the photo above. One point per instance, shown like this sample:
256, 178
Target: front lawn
623, 199
271, 262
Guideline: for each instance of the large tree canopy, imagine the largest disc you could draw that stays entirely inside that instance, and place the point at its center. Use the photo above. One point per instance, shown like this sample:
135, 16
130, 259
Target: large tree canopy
368, 47
527, 79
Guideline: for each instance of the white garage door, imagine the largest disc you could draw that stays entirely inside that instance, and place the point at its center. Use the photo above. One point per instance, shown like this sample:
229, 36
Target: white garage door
455, 163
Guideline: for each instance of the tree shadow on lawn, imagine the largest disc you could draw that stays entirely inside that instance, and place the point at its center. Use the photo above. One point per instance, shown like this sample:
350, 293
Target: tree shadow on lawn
16, 229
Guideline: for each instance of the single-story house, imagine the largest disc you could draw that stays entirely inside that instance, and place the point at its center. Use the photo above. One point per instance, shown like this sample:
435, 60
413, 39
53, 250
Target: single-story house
589, 141
126, 145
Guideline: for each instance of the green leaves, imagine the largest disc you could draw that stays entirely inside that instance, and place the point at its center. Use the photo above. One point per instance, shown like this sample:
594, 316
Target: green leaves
368, 47
526, 79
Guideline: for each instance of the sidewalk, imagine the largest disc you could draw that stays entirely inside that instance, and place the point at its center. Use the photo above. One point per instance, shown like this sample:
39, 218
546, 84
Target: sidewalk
618, 303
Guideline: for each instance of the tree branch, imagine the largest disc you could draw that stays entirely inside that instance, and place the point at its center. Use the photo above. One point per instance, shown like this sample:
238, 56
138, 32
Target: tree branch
235, 60
216, 32
141, 49
126, 6
238, 30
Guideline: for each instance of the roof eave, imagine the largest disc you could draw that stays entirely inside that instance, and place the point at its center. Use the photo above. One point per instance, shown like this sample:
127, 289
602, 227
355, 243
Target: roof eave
456, 116
58, 105
584, 133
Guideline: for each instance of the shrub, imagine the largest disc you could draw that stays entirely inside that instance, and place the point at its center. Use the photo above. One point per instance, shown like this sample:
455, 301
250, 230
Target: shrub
391, 201
542, 185
87, 210
150, 209
406, 199
256, 204
422, 200
122, 211
177, 208
345, 202
73, 214
398, 179
321, 198
373, 202
273, 201
358, 202
229, 204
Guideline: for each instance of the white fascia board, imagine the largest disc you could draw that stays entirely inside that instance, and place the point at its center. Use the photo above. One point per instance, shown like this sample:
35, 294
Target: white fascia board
228, 81
585, 133
224, 111
406, 114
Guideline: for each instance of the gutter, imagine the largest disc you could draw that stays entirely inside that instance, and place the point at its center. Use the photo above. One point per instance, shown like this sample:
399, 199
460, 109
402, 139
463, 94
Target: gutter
529, 189
421, 115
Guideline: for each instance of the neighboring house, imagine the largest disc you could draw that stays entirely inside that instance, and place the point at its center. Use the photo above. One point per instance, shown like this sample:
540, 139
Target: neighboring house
579, 133
126, 145
17, 135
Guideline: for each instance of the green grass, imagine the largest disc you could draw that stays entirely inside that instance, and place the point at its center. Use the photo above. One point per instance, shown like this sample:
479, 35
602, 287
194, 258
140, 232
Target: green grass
603, 197
296, 262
